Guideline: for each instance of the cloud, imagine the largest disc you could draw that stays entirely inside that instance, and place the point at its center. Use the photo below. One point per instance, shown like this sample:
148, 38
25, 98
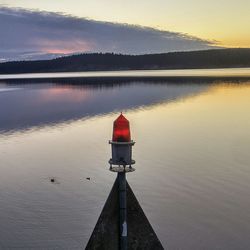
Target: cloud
28, 34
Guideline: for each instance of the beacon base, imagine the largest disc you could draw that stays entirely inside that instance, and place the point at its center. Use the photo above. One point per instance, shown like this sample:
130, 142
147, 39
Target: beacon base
121, 169
122, 153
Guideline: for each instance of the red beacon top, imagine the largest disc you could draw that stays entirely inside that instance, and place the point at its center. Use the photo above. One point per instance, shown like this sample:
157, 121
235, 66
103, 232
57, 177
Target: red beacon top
121, 130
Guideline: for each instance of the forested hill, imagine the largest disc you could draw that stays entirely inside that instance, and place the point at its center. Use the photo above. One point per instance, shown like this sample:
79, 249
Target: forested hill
216, 58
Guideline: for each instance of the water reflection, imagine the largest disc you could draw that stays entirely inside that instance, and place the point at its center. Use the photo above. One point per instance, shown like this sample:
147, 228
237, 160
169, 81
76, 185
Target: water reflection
192, 157
25, 104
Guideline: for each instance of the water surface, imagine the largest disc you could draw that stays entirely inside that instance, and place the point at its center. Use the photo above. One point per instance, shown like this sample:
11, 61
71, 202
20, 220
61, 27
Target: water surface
218, 72
192, 174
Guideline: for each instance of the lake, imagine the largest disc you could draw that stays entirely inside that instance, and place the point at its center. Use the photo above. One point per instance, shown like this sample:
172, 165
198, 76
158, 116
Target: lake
192, 157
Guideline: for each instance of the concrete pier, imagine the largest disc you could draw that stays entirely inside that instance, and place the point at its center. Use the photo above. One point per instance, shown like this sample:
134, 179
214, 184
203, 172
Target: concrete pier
140, 234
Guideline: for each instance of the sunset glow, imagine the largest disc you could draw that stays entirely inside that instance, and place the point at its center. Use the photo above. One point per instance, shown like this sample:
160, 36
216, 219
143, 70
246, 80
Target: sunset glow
224, 21
65, 47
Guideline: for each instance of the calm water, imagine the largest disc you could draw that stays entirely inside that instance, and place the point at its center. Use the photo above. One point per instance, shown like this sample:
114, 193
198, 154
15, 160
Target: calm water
220, 72
192, 147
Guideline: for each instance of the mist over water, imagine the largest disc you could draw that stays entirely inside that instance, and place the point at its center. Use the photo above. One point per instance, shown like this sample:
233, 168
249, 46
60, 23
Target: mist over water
192, 157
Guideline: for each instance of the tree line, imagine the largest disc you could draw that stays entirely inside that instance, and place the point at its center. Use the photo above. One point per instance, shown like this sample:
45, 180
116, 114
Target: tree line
214, 58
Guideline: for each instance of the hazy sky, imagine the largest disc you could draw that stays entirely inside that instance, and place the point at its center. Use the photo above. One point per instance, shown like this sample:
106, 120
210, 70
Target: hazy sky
72, 26
226, 21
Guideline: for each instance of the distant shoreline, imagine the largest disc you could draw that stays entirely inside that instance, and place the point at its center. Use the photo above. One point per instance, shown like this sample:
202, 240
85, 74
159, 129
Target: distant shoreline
109, 62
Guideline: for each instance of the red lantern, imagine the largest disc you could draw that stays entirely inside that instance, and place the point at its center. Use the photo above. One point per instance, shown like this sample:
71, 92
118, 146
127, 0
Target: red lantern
121, 130
121, 145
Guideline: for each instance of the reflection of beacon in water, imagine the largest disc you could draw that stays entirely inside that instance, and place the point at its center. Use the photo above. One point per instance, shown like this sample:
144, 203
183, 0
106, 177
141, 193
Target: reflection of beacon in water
121, 145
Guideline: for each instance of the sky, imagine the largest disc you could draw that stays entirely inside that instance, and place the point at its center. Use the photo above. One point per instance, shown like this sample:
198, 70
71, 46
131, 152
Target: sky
44, 28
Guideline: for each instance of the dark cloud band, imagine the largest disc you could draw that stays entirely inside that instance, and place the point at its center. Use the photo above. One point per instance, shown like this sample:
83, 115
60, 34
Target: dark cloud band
38, 34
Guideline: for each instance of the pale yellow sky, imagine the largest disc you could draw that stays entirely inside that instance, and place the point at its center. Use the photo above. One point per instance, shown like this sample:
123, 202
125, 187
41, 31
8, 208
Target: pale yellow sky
226, 21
